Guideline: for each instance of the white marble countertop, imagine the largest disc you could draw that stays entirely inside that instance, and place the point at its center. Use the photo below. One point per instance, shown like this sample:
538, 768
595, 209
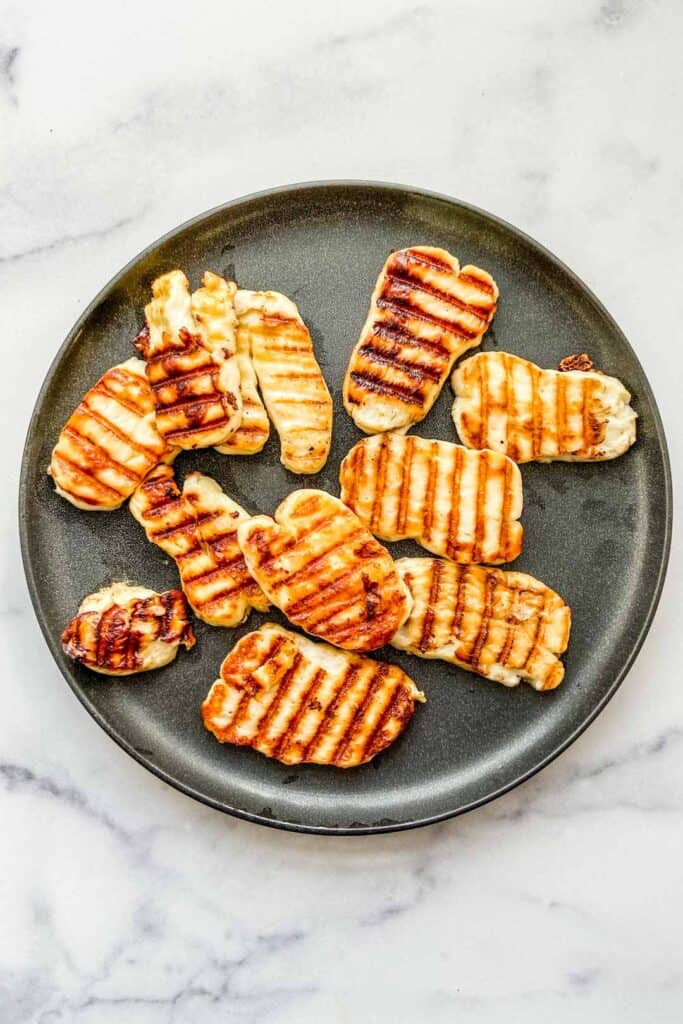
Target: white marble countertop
124, 901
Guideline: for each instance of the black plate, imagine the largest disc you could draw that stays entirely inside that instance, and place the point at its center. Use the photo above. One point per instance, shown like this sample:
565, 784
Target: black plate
599, 534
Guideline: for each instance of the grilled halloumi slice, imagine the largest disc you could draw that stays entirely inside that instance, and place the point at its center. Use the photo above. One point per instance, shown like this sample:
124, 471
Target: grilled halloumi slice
189, 346
317, 562
291, 381
254, 430
461, 504
123, 629
300, 701
513, 406
506, 626
110, 442
198, 528
424, 313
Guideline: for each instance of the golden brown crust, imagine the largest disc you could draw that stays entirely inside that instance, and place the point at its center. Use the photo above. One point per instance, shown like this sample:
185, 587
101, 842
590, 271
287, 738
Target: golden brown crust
254, 428
506, 626
319, 564
579, 361
300, 701
458, 503
425, 312
110, 441
198, 528
116, 640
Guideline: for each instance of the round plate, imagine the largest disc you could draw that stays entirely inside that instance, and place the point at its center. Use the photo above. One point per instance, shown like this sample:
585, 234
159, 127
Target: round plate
598, 534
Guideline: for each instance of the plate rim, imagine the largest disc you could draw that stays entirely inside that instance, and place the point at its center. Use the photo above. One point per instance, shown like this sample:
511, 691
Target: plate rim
52, 642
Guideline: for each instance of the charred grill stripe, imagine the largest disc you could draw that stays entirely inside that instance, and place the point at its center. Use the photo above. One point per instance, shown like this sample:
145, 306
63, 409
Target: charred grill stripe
540, 619
417, 371
404, 308
380, 479
461, 580
367, 381
482, 635
587, 439
92, 481
480, 511
178, 405
536, 411
94, 453
561, 412
317, 596
507, 501
182, 378
138, 409
398, 332
511, 633
404, 495
227, 592
328, 713
452, 542
482, 284
506, 404
432, 604
195, 521
374, 681
112, 429
317, 560
207, 428
224, 567
427, 259
290, 734
428, 510
405, 279
482, 441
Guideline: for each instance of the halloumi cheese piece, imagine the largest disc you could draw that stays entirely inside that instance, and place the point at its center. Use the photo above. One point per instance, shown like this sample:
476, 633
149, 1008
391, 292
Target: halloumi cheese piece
122, 629
254, 430
317, 562
291, 381
513, 406
198, 528
461, 504
506, 626
110, 442
299, 701
189, 346
424, 313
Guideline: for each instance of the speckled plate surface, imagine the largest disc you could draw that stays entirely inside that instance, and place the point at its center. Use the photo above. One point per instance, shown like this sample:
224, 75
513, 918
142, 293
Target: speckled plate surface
599, 534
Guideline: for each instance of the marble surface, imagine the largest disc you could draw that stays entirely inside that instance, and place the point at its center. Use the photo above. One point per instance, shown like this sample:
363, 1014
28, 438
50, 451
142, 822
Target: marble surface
123, 900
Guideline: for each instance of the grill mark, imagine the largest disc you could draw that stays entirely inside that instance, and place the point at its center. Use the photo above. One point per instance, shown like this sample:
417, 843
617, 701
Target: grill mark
315, 598
505, 524
380, 479
143, 449
427, 259
95, 453
181, 378
536, 427
482, 635
354, 464
511, 624
459, 609
348, 679
374, 682
404, 307
428, 620
367, 381
217, 398
417, 371
561, 412
404, 278
482, 438
92, 480
205, 429
290, 733
506, 403
485, 286
537, 631
305, 569
404, 495
195, 521
427, 512
585, 395
212, 574
480, 511
452, 545
398, 332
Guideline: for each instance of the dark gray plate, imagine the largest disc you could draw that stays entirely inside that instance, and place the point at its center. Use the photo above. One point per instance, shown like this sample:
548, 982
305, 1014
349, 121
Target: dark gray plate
599, 534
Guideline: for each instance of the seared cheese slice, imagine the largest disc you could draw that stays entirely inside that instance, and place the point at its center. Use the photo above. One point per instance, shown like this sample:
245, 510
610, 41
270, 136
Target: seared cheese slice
506, 626
254, 430
461, 504
198, 528
110, 442
123, 629
300, 701
425, 312
290, 379
511, 405
189, 346
318, 563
